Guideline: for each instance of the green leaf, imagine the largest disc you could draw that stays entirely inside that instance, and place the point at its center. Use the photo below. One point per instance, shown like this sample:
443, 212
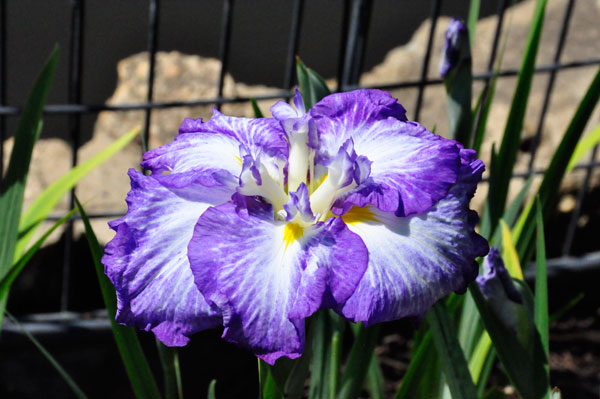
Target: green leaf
484, 103
472, 20
423, 374
511, 213
509, 253
479, 356
469, 327
13, 184
321, 355
452, 358
311, 85
47, 200
290, 375
267, 386
520, 367
137, 368
541, 291
169, 359
548, 190
485, 372
16, 269
482, 123
257, 112
509, 148
63, 373
375, 383
211, 390
583, 146
541, 281
338, 325
358, 362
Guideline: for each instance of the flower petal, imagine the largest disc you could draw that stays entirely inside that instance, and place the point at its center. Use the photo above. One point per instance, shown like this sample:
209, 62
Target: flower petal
415, 260
411, 169
215, 145
266, 276
147, 259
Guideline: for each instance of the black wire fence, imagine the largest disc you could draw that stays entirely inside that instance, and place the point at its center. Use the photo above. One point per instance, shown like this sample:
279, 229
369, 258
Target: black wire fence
354, 30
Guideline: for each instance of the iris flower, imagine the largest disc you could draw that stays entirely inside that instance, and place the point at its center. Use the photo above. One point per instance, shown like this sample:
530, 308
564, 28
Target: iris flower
499, 289
456, 46
255, 224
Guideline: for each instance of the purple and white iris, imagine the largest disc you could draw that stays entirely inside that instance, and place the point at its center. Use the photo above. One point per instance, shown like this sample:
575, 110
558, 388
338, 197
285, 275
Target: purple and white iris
255, 224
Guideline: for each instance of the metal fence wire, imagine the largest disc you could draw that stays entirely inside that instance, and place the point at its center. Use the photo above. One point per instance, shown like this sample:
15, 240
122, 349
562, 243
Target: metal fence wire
356, 16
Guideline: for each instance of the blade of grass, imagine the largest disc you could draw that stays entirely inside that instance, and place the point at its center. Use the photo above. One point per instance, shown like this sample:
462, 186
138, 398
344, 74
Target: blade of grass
338, 325
375, 384
485, 372
548, 190
452, 358
169, 359
211, 390
290, 375
16, 269
583, 146
423, 374
137, 368
63, 373
358, 362
257, 112
472, 20
13, 184
512, 212
12, 188
541, 290
321, 356
480, 116
509, 253
470, 326
311, 85
480, 354
509, 148
47, 200
266, 384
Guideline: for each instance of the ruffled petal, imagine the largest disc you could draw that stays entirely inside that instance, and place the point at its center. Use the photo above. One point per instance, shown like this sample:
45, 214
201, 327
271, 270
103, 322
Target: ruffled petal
411, 169
217, 145
147, 259
343, 116
266, 276
256, 134
415, 260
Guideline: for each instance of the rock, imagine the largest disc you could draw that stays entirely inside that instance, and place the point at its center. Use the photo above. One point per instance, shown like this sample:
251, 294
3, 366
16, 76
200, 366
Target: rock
181, 77
405, 63
178, 77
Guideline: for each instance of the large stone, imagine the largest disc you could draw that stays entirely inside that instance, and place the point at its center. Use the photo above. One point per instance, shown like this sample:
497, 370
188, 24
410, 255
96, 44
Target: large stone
405, 63
181, 77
